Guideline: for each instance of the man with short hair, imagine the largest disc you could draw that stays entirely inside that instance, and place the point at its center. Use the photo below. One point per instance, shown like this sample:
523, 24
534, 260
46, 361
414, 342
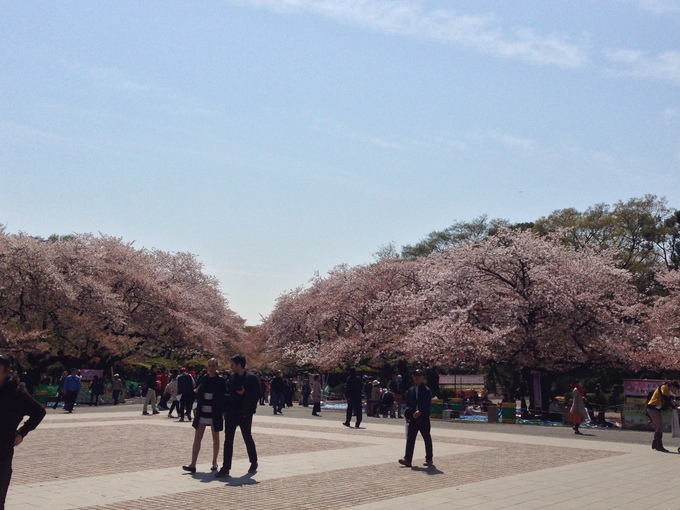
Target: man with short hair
353, 392
417, 414
243, 394
72, 386
15, 404
278, 387
185, 388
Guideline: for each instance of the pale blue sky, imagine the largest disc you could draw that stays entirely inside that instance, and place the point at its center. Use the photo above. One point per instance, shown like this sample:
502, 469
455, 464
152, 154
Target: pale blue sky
278, 138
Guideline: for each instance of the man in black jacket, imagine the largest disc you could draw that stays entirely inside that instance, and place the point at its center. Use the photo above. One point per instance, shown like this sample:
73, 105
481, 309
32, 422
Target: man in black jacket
185, 387
150, 389
277, 388
417, 414
353, 390
243, 394
15, 404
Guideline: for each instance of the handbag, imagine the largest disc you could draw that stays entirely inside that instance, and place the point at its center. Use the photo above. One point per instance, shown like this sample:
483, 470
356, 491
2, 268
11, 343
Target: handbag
575, 417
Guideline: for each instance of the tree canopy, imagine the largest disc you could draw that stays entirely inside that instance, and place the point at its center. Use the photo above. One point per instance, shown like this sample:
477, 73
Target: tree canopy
86, 296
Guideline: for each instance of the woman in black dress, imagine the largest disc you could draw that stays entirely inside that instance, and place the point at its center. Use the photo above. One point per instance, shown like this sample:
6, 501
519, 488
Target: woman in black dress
210, 395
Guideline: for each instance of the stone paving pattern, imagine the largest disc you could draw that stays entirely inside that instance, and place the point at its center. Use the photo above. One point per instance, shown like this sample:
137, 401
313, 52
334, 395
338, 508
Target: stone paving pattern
106, 459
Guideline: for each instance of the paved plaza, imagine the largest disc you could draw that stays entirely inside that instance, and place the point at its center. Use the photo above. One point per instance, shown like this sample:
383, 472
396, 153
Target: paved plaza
113, 458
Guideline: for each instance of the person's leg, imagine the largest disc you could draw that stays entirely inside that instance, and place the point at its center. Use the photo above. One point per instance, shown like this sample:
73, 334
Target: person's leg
399, 399
216, 445
196, 448
188, 400
70, 400
427, 438
246, 424
348, 414
228, 450
154, 405
657, 420
6, 455
147, 400
411, 435
357, 411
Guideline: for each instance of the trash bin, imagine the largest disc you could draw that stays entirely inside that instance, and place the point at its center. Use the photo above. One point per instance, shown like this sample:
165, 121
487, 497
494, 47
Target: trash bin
446, 414
492, 414
509, 412
436, 408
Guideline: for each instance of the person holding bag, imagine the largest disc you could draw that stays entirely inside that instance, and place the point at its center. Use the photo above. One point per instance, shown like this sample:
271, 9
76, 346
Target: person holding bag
661, 400
578, 412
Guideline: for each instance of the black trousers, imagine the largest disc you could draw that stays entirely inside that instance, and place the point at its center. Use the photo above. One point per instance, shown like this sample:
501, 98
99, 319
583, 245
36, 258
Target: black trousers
6, 455
186, 401
70, 400
244, 421
421, 425
353, 408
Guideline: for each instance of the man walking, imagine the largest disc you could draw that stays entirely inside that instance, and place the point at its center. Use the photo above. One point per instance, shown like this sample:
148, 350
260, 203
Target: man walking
417, 414
243, 394
72, 387
353, 391
185, 388
15, 404
277, 388
150, 385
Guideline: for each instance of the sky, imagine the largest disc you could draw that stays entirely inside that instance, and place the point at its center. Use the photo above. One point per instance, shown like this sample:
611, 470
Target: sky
279, 138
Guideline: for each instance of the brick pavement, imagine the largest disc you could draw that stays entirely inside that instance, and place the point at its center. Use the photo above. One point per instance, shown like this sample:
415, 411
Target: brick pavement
106, 459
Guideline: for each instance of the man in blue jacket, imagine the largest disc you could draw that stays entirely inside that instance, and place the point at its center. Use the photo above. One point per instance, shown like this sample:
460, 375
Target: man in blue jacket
72, 387
417, 414
15, 404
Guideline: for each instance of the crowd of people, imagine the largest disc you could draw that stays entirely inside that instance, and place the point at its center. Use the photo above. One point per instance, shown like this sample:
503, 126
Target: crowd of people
227, 400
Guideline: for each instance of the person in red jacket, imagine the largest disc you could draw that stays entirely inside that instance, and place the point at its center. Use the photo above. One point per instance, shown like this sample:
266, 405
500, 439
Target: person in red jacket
15, 405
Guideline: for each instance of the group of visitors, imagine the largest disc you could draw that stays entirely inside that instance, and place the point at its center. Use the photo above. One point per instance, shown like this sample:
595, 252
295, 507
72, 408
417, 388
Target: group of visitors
223, 403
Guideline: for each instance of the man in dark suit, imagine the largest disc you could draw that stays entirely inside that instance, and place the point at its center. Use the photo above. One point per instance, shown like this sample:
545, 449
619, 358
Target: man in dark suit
243, 394
417, 415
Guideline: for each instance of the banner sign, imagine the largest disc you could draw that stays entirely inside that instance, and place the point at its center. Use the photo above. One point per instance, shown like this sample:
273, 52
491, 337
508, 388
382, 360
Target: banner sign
476, 381
87, 374
640, 387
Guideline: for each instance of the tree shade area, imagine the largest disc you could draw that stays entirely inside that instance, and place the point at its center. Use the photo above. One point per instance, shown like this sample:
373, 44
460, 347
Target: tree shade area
85, 296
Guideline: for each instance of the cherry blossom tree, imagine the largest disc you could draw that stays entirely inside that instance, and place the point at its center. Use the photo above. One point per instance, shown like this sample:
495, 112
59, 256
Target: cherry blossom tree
514, 298
87, 296
528, 301
664, 323
339, 319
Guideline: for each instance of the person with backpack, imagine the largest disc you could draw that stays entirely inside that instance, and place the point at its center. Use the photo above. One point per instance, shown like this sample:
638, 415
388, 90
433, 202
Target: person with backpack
661, 400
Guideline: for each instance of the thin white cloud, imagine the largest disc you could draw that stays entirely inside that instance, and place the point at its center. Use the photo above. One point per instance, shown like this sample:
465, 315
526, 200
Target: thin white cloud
506, 139
483, 33
657, 6
170, 99
662, 66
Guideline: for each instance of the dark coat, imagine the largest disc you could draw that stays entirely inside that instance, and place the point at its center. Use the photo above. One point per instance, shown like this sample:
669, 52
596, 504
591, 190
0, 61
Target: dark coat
421, 404
15, 404
354, 387
218, 387
246, 403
